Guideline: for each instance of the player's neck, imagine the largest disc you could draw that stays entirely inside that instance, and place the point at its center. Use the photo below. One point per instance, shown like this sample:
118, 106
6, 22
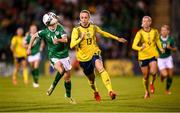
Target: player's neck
85, 25
146, 29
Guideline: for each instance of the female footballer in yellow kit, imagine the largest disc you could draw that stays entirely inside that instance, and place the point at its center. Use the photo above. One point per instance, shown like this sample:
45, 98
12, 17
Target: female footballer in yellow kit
88, 53
146, 42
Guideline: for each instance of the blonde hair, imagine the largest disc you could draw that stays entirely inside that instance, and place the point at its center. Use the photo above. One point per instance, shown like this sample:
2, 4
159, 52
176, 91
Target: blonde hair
148, 17
86, 11
165, 26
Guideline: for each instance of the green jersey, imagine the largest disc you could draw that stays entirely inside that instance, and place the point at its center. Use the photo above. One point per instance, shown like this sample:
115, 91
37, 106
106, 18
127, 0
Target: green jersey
165, 42
36, 47
59, 50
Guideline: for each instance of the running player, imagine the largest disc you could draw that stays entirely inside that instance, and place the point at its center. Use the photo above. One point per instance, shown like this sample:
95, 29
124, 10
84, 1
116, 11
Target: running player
165, 61
56, 39
35, 57
19, 53
88, 53
145, 43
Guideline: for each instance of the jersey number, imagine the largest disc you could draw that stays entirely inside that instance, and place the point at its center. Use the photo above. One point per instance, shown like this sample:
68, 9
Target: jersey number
89, 41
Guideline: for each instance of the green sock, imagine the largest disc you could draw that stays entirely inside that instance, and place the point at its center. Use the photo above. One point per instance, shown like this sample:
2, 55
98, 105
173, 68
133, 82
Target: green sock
168, 83
67, 85
57, 78
36, 77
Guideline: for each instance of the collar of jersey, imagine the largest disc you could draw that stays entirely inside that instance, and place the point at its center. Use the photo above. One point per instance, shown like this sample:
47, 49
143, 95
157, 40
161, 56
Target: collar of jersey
85, 27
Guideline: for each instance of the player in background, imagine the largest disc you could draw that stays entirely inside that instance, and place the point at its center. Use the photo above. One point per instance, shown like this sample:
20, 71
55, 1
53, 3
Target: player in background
146, 42
35, 57
19, 53
83, 39
56, 40
165, 61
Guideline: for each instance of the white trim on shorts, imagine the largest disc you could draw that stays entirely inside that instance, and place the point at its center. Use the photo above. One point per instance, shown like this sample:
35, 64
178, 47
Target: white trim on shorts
35, 57
164, 63
65, 61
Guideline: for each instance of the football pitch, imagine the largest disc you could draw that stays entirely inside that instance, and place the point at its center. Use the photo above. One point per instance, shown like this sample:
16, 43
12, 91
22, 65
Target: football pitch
130, 92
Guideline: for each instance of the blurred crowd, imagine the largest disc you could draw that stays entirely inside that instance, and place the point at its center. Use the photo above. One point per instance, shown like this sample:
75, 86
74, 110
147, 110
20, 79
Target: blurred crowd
120, 17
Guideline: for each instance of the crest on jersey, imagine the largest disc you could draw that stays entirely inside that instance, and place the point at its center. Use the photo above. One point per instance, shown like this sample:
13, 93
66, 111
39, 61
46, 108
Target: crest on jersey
57, 32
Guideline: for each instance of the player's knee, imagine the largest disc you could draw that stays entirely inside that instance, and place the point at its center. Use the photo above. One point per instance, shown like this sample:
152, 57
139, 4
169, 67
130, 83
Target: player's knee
153, 72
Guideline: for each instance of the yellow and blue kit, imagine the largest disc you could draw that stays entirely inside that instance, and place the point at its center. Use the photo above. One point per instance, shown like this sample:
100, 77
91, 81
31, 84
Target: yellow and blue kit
151, 40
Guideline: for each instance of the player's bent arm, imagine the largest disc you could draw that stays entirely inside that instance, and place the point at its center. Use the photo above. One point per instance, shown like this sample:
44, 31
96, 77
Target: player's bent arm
158, 42
31, 42
136, 42
63, 39
75, 39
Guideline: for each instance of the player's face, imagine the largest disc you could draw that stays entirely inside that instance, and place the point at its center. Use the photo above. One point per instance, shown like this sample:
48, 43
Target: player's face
20, 31
53, 27
146, 22
84, 18
164, 31
33, 29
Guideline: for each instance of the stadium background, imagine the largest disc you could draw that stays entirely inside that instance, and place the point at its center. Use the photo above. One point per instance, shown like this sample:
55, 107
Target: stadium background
120, 17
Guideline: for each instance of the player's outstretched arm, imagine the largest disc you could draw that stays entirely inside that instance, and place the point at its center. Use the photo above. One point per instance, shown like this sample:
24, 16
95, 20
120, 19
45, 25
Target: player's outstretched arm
31, 43
109, 35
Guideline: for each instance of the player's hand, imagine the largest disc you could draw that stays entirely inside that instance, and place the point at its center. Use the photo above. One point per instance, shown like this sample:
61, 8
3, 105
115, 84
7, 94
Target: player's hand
168, 46
83, 35
143, 46
162, 51
55, 40
28, 51
122, 40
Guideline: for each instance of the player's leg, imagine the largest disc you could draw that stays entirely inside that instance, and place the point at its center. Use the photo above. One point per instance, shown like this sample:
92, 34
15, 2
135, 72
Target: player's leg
105, 77
34, 61
153, 71
25, 70
60, 72
162, 68
88, 70
15, 72
36, 73
169, 80
145, 72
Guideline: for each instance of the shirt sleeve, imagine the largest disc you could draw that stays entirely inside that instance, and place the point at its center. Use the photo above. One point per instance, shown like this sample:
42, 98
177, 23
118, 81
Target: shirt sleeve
13, 41
158, 42
136, 42
172, 43
104, 33
74, 38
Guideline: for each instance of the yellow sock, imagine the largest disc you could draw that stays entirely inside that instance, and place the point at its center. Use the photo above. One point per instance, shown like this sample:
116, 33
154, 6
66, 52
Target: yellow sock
93, 86
145, 84
25, 75
14, 76
106, 80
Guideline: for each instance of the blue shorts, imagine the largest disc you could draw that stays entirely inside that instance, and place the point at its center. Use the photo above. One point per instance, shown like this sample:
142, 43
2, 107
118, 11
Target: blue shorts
146, 62
88, 67
19, 59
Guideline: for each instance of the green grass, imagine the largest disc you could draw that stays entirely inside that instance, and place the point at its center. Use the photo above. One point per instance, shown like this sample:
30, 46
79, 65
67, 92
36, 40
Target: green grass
130, 92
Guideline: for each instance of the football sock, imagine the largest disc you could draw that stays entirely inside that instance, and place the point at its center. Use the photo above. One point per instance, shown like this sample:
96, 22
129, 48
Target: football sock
93, 87
145, 84
57, 78
36, 77
14, 77
25, 75
168, 83
67, 86
106, 80
153, 78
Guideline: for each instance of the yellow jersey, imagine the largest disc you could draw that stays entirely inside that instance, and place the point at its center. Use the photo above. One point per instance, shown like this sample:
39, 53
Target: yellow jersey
151, 40
87, 47
17, 44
